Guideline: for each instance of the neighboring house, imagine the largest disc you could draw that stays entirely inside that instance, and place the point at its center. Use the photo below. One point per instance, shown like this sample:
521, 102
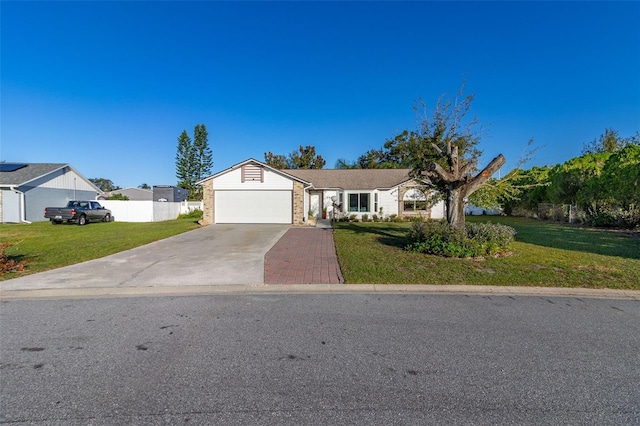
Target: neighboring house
253, 192
172, 194
134, 194
27, 188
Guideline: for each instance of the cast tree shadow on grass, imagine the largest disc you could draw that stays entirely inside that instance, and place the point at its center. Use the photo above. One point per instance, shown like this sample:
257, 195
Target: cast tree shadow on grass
390, 234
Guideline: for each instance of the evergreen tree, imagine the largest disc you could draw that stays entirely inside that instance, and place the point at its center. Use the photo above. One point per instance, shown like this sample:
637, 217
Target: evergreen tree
185, 159
194, 160
203, 156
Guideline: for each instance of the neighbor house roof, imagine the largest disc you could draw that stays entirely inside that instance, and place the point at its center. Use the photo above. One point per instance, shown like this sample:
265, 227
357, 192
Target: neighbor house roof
18, 174
22, 173
352, 178
134, 194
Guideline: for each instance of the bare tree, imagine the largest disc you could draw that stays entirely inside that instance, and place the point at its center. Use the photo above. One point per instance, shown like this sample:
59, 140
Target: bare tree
447, 155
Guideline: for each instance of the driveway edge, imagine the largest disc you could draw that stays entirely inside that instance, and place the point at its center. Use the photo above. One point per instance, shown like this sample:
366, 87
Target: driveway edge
257, 289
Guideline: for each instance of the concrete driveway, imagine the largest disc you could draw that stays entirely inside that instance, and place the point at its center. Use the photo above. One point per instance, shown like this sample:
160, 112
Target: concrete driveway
211, 255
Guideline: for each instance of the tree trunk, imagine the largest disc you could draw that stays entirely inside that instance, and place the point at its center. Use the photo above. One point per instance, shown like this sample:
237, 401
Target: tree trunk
455, 207
461, 187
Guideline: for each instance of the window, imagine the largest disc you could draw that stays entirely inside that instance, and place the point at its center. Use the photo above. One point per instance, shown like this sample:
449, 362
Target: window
415, 201
375, 202
415, 205
359, 202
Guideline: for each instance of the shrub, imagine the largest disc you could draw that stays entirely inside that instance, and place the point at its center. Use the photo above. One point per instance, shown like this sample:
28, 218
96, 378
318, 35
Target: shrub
375, 217
365, 218
193, 214
354, 218
474, 240
395, 218
7, 264
615, 217
118, 196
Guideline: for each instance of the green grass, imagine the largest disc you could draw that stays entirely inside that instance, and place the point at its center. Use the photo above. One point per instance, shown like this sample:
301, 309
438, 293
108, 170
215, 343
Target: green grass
544, 254
42, 246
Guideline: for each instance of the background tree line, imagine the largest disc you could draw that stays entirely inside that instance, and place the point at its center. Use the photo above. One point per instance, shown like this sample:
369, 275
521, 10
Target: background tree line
603, 182
303, 158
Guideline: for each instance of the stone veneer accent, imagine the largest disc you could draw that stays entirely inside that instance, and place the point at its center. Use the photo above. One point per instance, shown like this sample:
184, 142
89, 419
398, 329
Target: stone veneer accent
208, 203
298, 203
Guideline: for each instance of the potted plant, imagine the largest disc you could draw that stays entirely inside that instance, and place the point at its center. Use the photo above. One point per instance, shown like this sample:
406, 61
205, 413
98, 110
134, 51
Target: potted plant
324, 212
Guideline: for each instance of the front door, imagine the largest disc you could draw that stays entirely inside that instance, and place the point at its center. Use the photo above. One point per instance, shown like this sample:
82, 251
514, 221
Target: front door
315, 204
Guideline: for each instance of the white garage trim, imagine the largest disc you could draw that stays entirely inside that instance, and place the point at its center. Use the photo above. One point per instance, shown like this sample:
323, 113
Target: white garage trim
253, 207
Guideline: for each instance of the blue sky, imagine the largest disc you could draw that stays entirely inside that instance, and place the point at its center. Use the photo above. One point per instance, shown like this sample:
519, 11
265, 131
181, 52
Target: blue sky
109, 86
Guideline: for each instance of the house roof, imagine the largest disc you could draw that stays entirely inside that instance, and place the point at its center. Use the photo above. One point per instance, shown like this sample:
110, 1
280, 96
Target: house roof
348, 179
352, 178
134, 194
251, 160
18, 174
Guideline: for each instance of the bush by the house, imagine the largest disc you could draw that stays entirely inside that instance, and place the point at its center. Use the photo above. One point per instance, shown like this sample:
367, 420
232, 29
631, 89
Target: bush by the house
474, 240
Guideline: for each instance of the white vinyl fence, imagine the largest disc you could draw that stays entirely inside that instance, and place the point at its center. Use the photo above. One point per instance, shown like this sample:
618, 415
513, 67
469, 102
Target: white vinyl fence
148, 211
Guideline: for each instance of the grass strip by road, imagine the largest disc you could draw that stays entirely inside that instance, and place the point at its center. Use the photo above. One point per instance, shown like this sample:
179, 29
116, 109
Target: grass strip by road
42, 246
544, 254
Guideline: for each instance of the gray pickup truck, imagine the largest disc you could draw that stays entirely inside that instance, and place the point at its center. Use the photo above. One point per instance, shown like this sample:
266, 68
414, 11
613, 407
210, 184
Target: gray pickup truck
79, 212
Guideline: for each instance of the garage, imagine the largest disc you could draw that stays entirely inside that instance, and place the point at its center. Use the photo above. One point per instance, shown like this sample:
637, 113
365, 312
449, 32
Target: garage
253, 206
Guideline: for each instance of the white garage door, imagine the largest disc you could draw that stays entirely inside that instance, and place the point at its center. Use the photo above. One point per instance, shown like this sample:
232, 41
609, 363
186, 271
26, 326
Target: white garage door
253, 207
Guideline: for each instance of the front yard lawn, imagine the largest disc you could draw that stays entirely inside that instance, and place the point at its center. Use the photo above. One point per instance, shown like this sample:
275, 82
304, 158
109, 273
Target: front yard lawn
544, 254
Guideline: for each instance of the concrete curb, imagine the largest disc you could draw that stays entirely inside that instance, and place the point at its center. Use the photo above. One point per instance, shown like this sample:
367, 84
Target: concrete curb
257, 289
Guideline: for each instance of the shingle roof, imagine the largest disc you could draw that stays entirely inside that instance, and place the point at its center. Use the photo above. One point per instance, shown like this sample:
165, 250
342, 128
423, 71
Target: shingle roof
134, 194
28, 173
352, 178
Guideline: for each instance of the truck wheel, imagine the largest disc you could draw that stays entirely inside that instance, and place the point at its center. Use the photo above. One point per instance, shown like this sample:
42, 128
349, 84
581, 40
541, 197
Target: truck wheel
107, 218
55, 222
82, 220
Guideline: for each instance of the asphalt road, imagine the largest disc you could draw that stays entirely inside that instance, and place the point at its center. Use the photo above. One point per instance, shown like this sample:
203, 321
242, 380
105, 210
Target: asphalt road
320, 359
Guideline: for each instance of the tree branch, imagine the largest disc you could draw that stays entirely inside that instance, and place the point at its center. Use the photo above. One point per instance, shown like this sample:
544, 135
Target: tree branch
477, 182
442, 173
